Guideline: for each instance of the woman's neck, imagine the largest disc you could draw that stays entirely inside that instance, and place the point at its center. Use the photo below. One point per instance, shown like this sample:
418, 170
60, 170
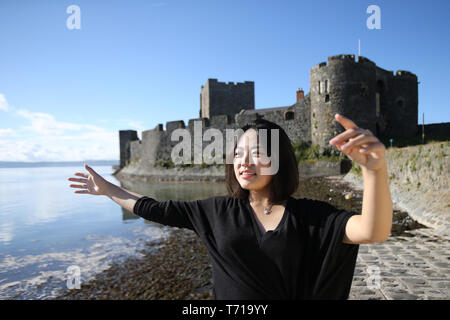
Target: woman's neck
260, 197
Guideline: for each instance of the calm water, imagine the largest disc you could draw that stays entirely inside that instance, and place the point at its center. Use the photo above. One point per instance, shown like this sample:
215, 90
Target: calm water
45, 227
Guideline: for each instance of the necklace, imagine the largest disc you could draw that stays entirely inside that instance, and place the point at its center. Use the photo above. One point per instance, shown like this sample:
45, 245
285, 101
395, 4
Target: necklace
268, 209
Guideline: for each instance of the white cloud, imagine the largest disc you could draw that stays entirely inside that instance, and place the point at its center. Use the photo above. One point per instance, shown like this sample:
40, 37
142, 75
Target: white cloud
3, 103
46, 124
137, 125
61, 148
44, 138
7, 132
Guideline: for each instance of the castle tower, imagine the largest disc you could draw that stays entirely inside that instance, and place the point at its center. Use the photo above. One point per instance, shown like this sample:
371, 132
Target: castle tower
220, 98
343, 86
396, 103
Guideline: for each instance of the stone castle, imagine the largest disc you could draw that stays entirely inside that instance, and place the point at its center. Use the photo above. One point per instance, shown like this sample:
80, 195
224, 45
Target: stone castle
376, 99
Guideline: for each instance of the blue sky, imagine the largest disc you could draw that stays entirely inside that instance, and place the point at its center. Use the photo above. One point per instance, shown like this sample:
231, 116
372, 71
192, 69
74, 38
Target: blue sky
64, 94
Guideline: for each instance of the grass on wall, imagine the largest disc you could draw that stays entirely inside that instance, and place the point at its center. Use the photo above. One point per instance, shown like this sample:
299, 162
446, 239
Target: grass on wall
305, 151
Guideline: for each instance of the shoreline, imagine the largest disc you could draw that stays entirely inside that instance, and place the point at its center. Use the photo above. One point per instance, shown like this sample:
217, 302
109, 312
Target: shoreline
144, 172
179, 267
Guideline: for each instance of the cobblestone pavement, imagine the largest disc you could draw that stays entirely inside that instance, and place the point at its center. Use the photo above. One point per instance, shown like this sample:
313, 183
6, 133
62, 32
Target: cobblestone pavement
414, 266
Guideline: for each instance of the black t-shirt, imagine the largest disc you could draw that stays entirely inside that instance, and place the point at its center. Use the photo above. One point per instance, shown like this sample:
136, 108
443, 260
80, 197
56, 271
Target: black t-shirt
303, 258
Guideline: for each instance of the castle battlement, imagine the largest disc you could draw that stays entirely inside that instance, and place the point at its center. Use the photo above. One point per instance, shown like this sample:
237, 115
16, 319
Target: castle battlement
405, 74
217, 122
173, 125
343, 58
340, 57
319, 65
217, 83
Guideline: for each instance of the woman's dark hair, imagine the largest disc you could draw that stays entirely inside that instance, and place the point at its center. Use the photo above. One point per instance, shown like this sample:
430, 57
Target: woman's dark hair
285, 182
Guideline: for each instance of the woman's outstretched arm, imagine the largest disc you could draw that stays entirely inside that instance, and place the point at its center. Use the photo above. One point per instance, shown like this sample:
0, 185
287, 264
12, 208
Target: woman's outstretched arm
375, 222
124, 198
93, 183
181, 214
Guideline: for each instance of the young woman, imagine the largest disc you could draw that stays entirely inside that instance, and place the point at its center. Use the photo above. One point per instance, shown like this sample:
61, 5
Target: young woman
263, 243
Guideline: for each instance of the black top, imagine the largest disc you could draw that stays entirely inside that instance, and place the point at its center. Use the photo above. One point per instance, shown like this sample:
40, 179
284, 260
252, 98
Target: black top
303, 258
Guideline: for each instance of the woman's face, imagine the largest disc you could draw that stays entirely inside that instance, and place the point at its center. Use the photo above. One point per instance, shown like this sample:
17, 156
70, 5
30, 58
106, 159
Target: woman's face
248, 157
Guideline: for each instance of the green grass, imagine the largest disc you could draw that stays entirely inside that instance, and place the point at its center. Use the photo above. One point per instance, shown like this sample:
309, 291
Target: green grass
356, 169
305, 151
133, 162
165, 163
400, 142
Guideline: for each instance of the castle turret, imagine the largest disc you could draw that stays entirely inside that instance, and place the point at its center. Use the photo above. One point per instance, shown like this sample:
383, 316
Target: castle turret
344, 86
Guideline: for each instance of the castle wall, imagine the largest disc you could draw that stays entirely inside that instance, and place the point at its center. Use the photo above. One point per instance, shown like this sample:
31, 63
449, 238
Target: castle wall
300, 129
297, 129
156, 143
135, 150
438, 130
150, 145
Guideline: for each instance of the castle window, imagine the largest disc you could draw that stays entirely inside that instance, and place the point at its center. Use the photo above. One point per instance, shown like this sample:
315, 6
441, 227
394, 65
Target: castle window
326, 86
289, 115
327, 97
320, 89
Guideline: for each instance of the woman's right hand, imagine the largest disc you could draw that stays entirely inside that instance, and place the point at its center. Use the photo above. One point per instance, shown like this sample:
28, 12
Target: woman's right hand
92, 183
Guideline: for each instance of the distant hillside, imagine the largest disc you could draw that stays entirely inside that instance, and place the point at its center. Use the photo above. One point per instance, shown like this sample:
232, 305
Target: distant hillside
15, 164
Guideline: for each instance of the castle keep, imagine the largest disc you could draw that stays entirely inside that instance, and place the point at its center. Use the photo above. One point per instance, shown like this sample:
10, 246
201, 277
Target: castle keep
376, 99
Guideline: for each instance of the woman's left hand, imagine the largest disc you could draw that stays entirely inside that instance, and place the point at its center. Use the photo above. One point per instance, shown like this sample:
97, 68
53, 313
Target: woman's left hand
359, 145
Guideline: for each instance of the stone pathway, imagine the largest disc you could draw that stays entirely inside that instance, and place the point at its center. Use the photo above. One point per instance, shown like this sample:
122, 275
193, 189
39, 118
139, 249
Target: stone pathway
414, 266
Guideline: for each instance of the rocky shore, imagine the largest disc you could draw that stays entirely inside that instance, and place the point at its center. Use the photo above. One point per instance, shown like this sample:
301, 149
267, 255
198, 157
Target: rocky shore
412, 264
176, 268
